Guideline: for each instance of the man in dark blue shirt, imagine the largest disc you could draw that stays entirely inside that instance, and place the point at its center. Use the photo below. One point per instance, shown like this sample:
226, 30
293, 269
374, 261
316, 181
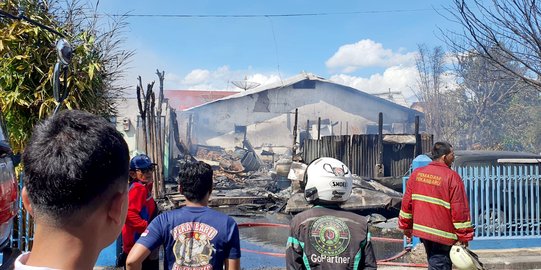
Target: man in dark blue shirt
194, 236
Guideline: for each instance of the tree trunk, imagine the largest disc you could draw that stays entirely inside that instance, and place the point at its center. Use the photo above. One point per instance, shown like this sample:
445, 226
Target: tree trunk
159, 140
143, 105
152, 143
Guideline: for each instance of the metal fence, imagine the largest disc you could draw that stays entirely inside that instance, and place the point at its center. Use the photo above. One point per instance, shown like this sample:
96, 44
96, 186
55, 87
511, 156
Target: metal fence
361, 153
364, 154
22, 232
504, 202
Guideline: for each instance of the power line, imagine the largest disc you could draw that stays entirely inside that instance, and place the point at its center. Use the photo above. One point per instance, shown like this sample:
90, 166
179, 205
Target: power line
271, 15
276, 50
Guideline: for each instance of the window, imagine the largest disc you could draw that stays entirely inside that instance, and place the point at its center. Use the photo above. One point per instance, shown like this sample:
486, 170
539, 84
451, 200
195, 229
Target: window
240, 129
305, 84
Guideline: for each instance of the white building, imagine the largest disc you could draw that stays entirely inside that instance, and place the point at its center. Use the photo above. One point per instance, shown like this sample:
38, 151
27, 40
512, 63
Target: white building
267, 113
128, 122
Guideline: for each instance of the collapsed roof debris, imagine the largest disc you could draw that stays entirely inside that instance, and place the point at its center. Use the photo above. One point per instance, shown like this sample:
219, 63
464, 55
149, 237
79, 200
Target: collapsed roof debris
275, 186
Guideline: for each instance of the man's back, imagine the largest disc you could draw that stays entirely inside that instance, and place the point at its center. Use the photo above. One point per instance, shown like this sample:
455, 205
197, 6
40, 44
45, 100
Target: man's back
438, 202
194, 237
327, 238
435, 207
75, 172
435, 179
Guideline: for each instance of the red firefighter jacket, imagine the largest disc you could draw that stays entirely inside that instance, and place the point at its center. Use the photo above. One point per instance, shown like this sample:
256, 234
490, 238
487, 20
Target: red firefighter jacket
435, 205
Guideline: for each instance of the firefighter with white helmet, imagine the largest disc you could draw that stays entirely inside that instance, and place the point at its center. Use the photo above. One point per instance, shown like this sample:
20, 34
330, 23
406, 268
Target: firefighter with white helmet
328, 181
325, 236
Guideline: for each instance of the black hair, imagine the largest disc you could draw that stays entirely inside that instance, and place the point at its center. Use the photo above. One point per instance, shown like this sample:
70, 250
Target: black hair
73, 162
440, 149
195, 179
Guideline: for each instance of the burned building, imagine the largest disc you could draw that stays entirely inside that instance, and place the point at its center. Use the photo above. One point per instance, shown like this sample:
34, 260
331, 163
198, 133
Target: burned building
265, 115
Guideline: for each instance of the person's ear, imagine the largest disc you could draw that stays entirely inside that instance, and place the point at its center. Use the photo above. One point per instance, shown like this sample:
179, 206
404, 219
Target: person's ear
26, 201
115, 211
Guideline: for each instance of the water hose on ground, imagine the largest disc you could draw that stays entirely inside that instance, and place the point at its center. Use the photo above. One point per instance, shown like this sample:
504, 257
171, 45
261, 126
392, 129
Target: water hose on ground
262, 224
273, 254
387, 261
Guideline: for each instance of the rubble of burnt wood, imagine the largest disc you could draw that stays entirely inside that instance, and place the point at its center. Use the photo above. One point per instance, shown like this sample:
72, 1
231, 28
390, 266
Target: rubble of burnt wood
241, 180
252, 185
367, 195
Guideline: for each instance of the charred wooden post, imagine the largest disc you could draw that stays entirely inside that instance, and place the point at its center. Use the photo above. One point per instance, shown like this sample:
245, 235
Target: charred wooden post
152, 138
379, 166
142, 104
319, 136
184, 150
319, 128
294, 149
159, 141
189, 133
418, 147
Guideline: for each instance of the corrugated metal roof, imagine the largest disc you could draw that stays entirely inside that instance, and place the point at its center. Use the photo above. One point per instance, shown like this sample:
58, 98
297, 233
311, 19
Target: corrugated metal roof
185, 99
396, 97
296, 79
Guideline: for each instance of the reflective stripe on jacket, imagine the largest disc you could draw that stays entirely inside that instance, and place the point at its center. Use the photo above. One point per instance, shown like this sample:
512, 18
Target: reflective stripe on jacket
435, 205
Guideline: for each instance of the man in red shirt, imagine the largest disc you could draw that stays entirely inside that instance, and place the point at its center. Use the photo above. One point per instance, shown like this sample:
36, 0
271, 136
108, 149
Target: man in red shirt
435, 208
141, 207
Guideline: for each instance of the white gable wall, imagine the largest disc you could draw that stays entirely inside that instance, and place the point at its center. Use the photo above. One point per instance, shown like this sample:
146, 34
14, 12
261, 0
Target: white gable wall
278, 131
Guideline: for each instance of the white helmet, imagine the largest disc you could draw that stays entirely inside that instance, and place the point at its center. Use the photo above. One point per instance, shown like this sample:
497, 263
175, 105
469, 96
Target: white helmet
327, 180
461, 258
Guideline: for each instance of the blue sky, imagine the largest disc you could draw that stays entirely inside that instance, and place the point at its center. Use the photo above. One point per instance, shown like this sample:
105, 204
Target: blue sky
368, 45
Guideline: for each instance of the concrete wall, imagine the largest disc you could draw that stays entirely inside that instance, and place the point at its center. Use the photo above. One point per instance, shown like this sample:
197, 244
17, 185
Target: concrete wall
127, 110
278, 131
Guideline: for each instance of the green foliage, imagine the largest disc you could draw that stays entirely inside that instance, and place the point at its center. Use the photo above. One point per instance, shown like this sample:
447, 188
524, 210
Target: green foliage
27, 58
498, 110
522, 122
487, 109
